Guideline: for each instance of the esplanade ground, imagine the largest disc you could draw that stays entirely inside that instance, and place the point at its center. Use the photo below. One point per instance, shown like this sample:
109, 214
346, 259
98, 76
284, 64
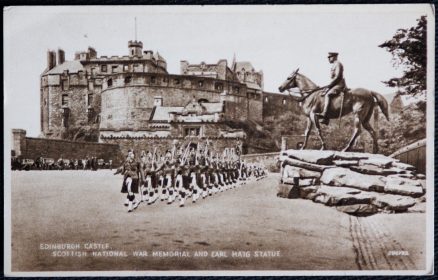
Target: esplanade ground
75, 221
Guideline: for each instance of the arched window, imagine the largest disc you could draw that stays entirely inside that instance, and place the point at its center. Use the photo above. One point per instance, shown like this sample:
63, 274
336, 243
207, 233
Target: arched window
110, 82
127, 80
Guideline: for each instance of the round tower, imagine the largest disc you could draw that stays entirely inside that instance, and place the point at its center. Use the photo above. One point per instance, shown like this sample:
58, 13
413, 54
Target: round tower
135, 48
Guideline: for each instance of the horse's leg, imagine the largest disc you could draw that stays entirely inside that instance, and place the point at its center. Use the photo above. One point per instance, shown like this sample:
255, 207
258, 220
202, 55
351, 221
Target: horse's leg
357, 124
318, 130
307, 132
371, 131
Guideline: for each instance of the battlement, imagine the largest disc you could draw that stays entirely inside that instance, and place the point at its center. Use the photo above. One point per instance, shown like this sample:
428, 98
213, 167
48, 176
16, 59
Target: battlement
138, 44
173, 81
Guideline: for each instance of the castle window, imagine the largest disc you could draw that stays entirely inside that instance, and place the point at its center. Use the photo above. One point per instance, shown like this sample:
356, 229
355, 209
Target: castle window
110, 82
114, 69
65, 116
236, 89
266, 99
91, 115
284, 101
103, 68
219, 86
65, 84
125, 68
158, 101
153, 80
177, 81
89, 99
200, 84
192, 131
128, 80
64, 100
45, 101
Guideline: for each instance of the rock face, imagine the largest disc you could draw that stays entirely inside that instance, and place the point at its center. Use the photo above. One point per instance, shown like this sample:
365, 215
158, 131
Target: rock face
344, 177
354, 183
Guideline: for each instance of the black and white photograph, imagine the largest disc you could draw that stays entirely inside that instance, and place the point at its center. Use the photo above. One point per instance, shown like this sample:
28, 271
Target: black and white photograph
219, 140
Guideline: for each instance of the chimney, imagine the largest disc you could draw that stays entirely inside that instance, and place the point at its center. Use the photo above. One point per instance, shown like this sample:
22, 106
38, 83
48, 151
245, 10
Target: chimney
92, 52
61, 56
51, 59
184, 64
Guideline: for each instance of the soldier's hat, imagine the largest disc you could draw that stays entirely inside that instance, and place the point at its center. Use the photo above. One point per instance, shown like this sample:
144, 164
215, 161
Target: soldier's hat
331, 54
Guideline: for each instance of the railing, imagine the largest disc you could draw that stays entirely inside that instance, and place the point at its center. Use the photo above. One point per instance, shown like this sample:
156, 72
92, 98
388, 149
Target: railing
413, 154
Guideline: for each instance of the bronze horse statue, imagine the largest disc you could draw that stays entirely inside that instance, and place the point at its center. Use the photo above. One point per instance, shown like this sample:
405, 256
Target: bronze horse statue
358, 101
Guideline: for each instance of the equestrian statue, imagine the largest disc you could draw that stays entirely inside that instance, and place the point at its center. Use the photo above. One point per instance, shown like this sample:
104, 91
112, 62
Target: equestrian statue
320, 104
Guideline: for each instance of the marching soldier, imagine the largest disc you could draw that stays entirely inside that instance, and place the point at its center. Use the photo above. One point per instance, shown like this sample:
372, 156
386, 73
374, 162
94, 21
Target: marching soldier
130, 171
193, 169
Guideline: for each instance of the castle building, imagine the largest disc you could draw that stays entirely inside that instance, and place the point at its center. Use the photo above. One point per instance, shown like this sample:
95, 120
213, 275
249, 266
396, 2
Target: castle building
132, 100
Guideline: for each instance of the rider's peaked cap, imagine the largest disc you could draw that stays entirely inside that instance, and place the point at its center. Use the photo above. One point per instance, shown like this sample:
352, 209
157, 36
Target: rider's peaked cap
330, 54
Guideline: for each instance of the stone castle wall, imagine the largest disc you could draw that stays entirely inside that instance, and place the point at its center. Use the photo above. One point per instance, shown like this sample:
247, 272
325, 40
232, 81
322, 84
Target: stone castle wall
127, 104
275, 104
77, 91
32, 148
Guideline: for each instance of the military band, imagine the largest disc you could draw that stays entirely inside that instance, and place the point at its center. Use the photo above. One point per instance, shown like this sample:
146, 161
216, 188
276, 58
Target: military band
183, 173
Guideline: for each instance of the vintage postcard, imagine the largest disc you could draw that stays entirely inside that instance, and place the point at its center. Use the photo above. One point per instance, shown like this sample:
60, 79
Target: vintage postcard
219, 140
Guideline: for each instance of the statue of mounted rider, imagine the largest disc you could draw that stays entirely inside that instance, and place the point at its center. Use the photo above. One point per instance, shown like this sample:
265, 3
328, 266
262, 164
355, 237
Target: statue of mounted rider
320, 104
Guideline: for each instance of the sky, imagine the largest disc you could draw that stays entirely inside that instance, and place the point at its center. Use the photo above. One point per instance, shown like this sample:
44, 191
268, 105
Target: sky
275, 39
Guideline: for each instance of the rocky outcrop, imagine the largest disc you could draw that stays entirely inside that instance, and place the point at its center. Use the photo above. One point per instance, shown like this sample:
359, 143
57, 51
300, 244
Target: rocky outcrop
354, 183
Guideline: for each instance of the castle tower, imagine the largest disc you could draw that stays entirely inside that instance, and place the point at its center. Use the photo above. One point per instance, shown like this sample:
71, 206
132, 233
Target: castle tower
135, 48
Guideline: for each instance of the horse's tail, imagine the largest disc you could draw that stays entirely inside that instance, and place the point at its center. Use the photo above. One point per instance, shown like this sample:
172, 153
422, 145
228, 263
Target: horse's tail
383, 104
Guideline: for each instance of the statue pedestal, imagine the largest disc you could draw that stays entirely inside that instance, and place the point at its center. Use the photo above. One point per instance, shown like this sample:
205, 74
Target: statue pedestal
342, 179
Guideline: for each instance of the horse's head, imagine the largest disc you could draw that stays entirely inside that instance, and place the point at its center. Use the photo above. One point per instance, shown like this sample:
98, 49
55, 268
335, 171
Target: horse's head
290, 81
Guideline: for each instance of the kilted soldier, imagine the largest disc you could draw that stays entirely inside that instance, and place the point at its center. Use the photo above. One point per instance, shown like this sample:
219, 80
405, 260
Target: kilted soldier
160, 178
193, 169
130, 170
169, 172
143, 192
181, 179
150, 181
202, 171
212, 187
213, 173
219, 172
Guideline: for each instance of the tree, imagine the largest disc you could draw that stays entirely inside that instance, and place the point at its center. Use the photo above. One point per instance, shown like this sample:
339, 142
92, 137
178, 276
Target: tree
409, 50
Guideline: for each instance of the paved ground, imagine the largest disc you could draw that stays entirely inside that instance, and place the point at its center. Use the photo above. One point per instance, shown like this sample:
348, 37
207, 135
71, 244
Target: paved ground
83, 207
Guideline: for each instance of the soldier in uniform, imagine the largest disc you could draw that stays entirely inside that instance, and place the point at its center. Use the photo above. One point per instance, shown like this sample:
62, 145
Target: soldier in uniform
201, 173
213, 174
193, 169
169, 173
151, 178
180, 187
130, 170
336, 85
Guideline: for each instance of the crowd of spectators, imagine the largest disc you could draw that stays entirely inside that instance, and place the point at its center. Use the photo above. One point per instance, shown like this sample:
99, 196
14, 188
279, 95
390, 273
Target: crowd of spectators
40, 163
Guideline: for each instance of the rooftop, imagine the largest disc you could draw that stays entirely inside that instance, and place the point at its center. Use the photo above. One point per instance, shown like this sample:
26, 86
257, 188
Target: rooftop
72, 67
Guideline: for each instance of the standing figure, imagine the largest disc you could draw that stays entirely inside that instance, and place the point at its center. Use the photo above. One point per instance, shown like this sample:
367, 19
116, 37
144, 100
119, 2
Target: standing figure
130, 171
